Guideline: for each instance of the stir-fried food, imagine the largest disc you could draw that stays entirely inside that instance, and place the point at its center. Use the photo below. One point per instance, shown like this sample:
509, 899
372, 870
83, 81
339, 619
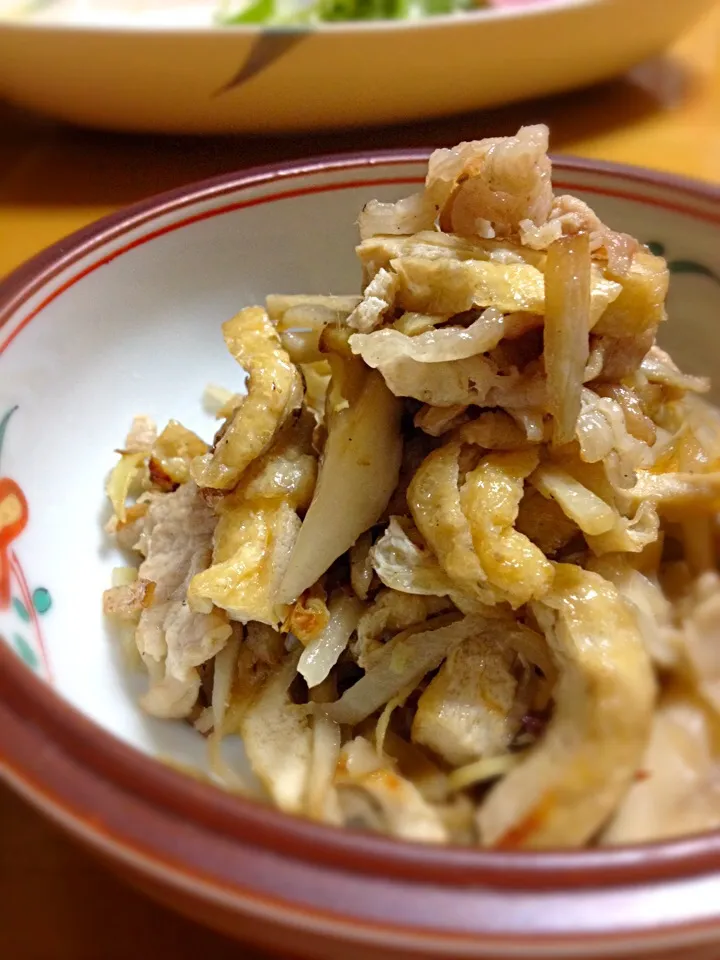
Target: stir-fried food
449, 566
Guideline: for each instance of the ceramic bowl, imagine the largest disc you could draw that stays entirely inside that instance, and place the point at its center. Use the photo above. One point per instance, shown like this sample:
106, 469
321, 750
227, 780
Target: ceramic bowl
124, 317
108, 65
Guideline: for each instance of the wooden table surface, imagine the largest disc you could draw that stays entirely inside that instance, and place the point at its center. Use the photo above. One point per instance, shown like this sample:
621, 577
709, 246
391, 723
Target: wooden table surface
55, 902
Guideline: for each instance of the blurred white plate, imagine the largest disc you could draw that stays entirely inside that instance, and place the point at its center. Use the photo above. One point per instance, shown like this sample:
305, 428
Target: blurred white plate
119, 64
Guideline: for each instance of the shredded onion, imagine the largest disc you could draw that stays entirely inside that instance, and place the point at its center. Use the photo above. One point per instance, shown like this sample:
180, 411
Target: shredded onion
403, 660
215, 398
407, 216
121, 480
658, 367
224, 669
384, 720
567, 329
487, 768
322, 653
434, 346
122, 576
322, 803
361, 570
581, 505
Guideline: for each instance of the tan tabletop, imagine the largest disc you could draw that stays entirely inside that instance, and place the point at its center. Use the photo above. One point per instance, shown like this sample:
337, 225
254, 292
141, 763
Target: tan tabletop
55, 903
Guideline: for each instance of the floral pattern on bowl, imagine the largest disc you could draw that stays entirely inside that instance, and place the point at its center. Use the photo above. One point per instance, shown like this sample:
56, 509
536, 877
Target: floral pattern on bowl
16, 598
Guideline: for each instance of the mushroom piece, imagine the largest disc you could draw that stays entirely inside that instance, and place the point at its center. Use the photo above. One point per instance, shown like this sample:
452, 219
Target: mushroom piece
358, 473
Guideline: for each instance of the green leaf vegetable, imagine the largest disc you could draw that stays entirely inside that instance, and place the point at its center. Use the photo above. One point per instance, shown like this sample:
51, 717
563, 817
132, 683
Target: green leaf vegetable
279, 13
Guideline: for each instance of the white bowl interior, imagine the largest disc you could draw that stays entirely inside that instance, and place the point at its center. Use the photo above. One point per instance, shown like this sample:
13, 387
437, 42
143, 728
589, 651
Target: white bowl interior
141, 334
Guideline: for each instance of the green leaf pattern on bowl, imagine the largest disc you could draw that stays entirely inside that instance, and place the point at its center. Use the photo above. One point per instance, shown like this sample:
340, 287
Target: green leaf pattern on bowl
682, 266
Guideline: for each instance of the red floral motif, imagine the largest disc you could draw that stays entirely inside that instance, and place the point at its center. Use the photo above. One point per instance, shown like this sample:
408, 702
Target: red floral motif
13, 520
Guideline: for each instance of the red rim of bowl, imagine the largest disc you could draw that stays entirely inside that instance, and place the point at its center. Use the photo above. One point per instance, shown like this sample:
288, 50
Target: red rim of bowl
37, 721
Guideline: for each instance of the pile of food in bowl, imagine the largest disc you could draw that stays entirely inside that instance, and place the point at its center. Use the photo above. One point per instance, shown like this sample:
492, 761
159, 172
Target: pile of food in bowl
449, 565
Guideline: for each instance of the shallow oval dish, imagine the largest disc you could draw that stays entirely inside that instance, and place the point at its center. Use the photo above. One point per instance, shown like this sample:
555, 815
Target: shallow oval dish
124, 317
140, 73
